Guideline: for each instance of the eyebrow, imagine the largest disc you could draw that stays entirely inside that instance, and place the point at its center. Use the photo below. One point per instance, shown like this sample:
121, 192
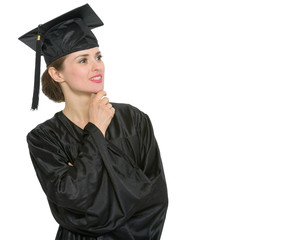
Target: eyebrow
86, 55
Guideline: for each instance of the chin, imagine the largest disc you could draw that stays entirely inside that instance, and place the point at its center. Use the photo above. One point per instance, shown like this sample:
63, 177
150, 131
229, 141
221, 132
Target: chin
96, 90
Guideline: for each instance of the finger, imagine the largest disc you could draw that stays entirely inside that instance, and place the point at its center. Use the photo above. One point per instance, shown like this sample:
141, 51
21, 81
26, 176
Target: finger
109, 105
113, 111
105, 100
99, 95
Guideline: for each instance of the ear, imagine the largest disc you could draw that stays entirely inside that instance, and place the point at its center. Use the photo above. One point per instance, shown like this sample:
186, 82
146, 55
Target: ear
56, 75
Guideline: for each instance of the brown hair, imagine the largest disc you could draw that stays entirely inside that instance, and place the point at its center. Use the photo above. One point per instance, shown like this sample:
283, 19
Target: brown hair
50, 87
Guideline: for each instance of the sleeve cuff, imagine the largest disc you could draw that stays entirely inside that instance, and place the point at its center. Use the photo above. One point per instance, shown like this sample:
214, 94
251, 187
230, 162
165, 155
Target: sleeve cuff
95, 133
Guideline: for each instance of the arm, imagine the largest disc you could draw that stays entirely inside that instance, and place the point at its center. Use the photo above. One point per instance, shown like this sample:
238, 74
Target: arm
98, 194
151, 161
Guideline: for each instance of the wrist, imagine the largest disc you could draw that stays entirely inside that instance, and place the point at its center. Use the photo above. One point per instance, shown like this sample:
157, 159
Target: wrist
103, 131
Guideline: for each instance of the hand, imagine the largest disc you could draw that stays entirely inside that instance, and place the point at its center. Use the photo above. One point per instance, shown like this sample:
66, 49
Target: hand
101, 111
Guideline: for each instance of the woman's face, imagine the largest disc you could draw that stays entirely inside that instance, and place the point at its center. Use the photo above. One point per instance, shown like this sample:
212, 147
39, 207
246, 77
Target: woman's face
84, 71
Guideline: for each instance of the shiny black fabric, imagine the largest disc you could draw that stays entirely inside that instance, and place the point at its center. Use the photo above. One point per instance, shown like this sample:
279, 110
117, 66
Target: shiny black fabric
116, 188
67, 37
70, 32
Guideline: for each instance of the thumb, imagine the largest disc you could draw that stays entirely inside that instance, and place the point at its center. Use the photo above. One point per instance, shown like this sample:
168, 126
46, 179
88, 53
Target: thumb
93, 95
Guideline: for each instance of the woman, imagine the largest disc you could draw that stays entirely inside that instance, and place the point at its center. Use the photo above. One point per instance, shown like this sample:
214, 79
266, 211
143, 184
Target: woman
97, 162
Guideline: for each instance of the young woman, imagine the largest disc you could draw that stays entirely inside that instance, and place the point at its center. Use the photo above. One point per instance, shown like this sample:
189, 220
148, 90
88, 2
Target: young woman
97, 162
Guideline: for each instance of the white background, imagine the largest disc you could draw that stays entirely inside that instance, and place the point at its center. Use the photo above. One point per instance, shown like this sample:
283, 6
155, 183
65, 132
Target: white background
214, 76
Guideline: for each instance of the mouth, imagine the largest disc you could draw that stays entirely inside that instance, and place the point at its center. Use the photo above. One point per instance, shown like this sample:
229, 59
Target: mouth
96, 78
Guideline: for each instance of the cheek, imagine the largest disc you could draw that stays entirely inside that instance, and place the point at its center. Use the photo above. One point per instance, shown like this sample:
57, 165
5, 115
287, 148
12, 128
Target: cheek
75, 75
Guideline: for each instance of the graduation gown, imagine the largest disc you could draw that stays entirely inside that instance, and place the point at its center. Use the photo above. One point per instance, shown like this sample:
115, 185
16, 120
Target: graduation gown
116, 187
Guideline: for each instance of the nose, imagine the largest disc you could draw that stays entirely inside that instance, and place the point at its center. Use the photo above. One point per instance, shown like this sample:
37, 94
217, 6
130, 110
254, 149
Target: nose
97, 65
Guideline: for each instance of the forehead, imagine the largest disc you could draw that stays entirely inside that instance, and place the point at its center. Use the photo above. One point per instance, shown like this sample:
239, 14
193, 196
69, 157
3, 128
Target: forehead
91, 51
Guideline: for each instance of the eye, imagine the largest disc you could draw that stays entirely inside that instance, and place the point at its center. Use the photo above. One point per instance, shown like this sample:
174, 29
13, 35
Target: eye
83, 60
99, 57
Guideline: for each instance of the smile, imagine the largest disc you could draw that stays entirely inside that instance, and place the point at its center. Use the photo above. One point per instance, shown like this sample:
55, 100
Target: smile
96, 79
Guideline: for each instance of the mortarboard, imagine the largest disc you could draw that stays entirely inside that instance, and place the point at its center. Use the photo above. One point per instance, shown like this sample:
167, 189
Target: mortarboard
68, 33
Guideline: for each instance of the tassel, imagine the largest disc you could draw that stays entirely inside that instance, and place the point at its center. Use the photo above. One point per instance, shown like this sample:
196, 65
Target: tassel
35, 98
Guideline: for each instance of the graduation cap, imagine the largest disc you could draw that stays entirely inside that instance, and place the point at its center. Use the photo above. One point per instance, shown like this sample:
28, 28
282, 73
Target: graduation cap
68, 33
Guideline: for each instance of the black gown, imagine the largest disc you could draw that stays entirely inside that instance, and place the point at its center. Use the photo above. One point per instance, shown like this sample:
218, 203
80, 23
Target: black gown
116, 188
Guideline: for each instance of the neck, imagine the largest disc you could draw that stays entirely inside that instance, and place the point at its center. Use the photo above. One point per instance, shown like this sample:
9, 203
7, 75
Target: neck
77, 109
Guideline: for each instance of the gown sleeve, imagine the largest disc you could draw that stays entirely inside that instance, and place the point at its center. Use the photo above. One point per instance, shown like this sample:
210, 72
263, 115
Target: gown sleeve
99, 193
151, 162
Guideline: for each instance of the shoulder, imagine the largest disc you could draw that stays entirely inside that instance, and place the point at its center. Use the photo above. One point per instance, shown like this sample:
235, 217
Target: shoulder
129, 119
130, 113
44, 129
128, 110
